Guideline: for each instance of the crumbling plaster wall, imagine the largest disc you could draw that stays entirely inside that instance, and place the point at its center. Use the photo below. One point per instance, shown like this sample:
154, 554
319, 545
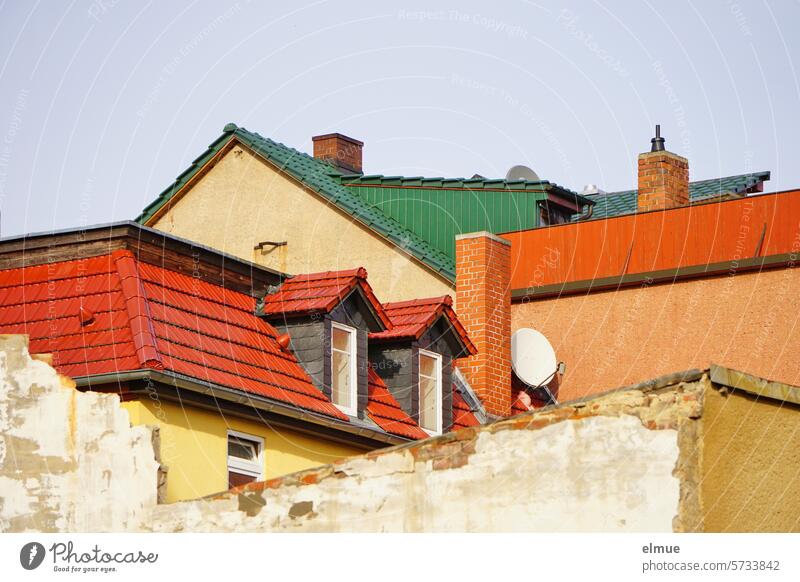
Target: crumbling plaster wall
626, 461
69, 461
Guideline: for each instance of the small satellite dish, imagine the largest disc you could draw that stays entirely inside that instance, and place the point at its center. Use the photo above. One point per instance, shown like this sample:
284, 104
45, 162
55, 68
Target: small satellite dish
522, 173
532, 357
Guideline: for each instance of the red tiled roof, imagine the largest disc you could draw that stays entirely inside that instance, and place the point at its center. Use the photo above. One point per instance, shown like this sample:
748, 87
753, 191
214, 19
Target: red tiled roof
386, 412
112, 314
411, 319
320, 293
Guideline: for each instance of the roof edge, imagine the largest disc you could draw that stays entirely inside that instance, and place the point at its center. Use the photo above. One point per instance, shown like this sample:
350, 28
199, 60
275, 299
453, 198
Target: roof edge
654, 277
754, 385
232, 395
148, 244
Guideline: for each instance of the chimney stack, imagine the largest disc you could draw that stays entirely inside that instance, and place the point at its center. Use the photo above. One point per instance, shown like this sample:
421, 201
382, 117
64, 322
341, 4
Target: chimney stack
341, 151
483, 304
663, 177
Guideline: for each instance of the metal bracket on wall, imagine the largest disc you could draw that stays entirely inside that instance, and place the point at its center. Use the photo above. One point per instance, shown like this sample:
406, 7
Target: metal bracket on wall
268, 243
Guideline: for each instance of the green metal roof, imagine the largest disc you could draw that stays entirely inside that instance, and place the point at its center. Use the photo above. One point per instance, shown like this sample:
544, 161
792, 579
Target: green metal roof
420, 215
478, 183
438, 209
321, 177
617, 203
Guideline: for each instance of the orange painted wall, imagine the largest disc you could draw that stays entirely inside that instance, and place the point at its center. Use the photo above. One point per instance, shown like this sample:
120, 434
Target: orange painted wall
694, 235
608, 339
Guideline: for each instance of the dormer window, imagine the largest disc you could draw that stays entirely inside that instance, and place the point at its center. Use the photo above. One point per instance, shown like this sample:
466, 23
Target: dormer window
430, 392
343, 368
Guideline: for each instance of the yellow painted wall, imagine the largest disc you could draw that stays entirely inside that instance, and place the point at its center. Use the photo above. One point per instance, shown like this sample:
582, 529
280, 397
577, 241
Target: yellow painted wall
243, 201
194, 447
750, 464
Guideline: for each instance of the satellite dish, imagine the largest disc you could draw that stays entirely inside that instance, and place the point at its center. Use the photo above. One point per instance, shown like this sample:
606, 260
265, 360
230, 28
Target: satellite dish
522, 173
532, 357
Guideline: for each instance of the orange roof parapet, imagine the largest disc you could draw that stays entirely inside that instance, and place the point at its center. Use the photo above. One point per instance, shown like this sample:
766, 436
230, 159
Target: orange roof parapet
551, 260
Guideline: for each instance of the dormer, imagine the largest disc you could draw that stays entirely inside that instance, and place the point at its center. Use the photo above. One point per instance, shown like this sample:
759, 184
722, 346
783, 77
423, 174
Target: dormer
415, 358
328, 318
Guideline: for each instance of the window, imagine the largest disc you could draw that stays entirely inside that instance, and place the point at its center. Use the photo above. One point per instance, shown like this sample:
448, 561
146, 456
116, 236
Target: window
343, 368
245, 458
430, 392
552, 214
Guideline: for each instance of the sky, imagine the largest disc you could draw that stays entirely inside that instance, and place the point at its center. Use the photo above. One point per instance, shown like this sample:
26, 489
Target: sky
104, 103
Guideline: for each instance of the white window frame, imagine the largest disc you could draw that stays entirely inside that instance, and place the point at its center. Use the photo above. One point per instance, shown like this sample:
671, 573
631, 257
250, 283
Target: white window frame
439, 394
348, 410
250, 468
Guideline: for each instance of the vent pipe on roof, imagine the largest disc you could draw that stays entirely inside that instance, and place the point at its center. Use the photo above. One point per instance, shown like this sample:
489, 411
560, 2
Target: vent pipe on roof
592, 190
657, 143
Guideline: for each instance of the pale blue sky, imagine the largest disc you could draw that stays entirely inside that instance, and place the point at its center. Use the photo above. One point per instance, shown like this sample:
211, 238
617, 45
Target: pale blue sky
105, 102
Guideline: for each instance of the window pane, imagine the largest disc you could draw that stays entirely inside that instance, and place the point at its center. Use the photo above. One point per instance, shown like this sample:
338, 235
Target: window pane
341, 339
242, 449
341, 390
427, 365
428, 403
237, 479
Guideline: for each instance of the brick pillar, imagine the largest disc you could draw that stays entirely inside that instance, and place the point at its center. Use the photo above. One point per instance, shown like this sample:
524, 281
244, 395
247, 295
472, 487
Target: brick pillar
483, 304
340, 150
663, 181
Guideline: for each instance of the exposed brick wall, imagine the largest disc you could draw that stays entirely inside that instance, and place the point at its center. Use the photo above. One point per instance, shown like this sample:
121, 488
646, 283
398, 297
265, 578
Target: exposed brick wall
342, 151
483, 303
663, 181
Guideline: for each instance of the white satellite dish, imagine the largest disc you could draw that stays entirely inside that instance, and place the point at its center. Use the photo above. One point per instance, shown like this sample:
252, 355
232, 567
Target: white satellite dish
532, 357
522, 173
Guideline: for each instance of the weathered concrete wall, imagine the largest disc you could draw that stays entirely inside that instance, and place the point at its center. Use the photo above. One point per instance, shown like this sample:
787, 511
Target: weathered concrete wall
623, 462
751, 463
616, 338
671, 455
69, 461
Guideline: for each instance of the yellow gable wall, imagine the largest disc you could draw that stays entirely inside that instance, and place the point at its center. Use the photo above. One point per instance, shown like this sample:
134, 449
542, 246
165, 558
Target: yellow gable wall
194, 447
243, 201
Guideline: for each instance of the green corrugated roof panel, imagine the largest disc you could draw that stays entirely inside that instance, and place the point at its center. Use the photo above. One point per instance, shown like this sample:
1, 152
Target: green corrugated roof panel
438, 209
617, 203
323, 179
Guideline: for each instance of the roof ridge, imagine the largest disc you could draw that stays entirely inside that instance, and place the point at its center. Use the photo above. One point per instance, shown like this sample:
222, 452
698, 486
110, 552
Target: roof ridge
441, 299
138, 309
378, 179
765, 174
357, 272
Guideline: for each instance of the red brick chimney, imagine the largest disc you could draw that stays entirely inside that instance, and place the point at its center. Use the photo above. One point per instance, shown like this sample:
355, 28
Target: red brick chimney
663, 177
340, 150
483, 304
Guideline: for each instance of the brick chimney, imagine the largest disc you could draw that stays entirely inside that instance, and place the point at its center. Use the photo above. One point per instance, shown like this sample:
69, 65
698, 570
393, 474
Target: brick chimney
663, 177
340, 150
483, 304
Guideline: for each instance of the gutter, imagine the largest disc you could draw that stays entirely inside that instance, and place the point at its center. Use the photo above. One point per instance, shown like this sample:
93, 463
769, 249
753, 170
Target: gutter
236, 397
